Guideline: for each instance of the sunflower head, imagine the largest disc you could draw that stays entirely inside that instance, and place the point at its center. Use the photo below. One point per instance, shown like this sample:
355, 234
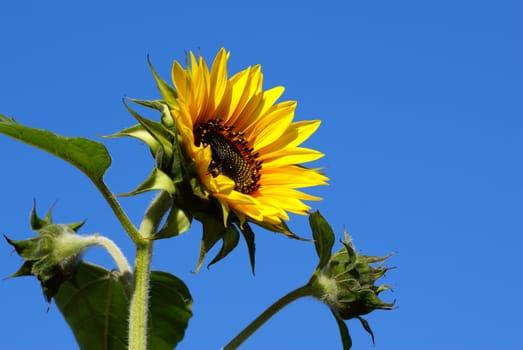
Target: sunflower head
227, 152
245, 145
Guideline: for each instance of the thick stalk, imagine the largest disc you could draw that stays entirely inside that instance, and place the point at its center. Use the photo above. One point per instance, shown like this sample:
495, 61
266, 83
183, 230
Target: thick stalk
139, 308
266, 315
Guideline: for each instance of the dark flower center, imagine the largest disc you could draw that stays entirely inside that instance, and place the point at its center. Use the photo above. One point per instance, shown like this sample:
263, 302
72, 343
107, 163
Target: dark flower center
231, 155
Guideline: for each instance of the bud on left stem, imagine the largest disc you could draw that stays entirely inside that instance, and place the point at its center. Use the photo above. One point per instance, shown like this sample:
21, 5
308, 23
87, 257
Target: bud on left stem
53, 255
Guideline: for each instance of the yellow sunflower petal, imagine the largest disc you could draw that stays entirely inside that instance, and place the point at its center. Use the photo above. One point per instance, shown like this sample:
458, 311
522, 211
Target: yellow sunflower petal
293, 136
292, 176
294, 156
179, 78
274, 125
270, 97
218, 79
242, 91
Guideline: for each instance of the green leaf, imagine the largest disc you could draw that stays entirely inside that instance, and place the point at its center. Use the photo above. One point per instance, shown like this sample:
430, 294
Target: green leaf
230, 241
171, 309
167, 92
89, 156
96, 305
323, 237
248, 234
344, 332
157, 180
178, 221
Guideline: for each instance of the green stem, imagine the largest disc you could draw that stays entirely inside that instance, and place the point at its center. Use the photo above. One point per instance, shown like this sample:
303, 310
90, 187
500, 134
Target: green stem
118, 211
139, 308
116, 254
267, 314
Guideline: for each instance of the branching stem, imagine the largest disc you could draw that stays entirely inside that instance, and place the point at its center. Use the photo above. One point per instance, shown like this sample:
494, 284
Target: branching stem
118, 211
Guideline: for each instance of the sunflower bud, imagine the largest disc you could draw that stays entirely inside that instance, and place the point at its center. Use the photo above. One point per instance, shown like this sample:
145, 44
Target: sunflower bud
52, 256
347, 283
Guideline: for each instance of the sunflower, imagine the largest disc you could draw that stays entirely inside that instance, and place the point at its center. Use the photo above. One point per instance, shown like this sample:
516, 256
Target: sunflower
244, 144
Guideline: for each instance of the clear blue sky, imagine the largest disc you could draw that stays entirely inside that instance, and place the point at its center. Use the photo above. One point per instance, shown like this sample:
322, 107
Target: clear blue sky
422, 110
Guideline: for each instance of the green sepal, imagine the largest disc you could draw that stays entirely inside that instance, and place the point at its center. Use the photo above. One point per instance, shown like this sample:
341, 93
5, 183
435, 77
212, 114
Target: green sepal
323, 238
346, 340
159, 105
366, 327
281, 227
139, 132
87, 155
230, 240
163, 143
178, 221
157, 180
213, 230
168, 93
38, 223
248, 235
158, 131
24, 270
168, 137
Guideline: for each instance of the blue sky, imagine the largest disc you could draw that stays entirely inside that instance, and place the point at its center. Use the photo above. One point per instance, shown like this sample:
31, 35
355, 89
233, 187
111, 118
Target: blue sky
422, 126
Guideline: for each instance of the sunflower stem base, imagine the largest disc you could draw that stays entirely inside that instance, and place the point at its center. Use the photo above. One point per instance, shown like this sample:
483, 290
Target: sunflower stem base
139, 307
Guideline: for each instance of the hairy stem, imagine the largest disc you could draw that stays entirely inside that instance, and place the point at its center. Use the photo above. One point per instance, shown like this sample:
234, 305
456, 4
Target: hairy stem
118, 211
116, 254
266, 315
139, 308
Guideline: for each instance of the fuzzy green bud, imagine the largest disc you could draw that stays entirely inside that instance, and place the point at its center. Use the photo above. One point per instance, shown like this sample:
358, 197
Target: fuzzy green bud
53, 255
347, 283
